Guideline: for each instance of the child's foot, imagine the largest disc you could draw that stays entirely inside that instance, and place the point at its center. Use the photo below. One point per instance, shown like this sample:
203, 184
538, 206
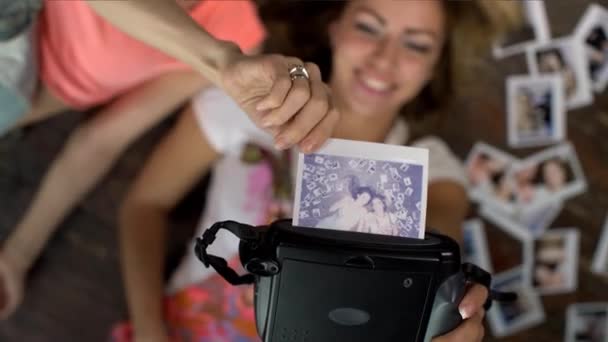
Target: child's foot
11, 287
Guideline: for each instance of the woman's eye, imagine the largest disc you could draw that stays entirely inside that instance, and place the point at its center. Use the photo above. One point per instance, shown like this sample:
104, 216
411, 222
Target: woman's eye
366, 28
418, 47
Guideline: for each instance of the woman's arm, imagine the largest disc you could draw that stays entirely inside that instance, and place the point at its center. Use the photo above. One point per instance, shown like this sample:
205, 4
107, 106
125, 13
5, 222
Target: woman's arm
166, 26
261, 85
174, 167
448, 205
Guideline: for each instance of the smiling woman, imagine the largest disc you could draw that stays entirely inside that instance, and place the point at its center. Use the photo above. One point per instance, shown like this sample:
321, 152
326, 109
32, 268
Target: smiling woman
303, 28
386, 62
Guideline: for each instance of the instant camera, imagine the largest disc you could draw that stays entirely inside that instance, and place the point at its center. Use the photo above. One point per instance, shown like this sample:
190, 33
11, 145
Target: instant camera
322, 285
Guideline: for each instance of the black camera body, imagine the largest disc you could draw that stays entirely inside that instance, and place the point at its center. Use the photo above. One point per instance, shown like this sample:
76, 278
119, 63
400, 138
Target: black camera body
326, 285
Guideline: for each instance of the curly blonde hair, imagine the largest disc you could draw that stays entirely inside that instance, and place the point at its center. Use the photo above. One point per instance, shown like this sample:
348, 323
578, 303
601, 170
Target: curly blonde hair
472, 27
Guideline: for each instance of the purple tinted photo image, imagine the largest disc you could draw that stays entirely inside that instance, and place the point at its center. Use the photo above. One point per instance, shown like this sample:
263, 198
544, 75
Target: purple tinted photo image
361, 195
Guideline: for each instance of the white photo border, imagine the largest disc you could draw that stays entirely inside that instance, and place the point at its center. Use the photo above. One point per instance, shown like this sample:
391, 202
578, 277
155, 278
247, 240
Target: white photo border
369, 150
574, 46
536, 13
558, 111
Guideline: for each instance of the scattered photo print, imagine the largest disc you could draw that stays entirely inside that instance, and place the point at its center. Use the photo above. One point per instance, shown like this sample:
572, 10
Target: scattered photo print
600, 257
592, 30
587, 322
475, 245
527, 222
534, 30
535, 109
487, 170
552, 174
527, 311
347, 185
554, 261
564, 57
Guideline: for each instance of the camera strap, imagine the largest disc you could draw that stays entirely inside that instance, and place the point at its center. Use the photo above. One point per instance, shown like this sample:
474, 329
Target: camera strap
244, 232
477, 275
249, 234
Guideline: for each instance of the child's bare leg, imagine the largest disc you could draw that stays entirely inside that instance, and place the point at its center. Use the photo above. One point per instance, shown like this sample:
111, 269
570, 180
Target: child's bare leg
88, 154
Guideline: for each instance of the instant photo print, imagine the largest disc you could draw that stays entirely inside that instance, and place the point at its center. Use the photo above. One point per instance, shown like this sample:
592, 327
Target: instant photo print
363, 187
564, 57
475, 244
552, 174
506, 319
552, 261
600, 257
487, 170
536, 113
526, 223
592, 30
534, 31
587, 322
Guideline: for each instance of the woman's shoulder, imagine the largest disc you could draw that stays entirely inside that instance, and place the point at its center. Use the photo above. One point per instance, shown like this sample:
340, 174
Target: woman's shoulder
443, 163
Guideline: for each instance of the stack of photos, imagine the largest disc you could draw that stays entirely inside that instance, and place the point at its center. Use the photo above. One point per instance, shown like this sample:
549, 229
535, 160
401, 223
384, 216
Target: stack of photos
363, 187
551, 262
592, 30
524, 196
537, 103
600, 258
587, 322
511, 317
535, 110
534, 30
475, 244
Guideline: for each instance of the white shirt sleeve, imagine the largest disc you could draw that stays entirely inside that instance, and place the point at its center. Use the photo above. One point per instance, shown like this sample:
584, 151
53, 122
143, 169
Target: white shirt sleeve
443, 164
225, 125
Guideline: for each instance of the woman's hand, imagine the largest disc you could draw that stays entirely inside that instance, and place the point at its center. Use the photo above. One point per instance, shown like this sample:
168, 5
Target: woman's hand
298, 111
471, 309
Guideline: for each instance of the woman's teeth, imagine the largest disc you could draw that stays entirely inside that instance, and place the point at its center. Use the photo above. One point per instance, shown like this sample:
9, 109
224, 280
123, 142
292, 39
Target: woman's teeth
375, 84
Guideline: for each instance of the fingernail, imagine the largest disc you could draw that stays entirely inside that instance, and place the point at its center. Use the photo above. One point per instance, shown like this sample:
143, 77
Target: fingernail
280, 144
308, 146
464, 311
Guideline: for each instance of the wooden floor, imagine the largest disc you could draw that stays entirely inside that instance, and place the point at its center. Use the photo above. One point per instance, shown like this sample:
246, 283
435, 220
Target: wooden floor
75, 293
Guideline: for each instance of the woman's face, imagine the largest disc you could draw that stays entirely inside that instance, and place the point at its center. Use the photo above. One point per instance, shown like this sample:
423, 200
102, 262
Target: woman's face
554, 175
378, 205
550, 62
384, 52
363, 198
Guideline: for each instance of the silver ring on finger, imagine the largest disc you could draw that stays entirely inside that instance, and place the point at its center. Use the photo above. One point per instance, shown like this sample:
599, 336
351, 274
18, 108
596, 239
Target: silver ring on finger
298, 71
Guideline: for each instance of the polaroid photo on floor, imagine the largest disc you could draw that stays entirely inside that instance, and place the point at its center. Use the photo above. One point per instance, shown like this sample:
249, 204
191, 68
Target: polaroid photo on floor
363, 187
564, 57
525, 222
599, 264
592, 30
475, 244
487, 170
506, 319
552, 174
587, 322
534, 30
552, 261
536, 114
